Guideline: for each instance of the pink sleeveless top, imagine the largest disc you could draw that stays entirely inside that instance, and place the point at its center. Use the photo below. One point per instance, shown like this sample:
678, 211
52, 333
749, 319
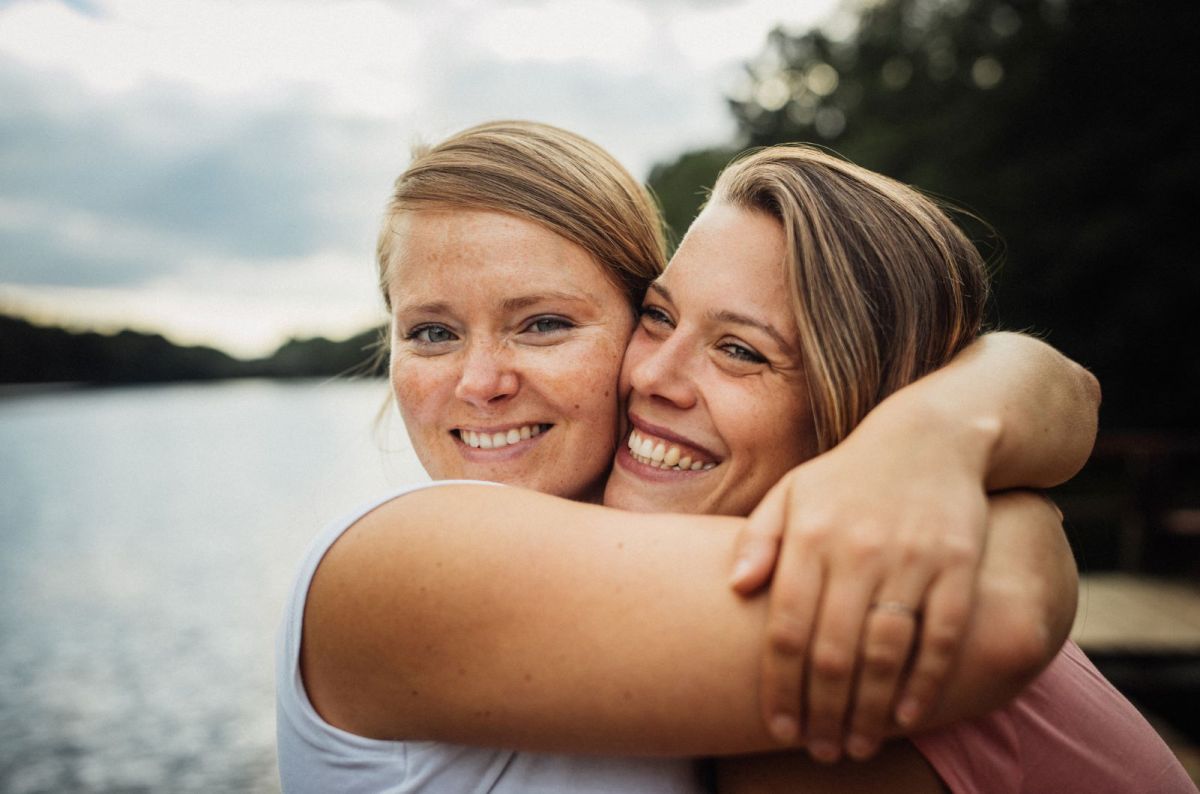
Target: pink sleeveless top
1071, 730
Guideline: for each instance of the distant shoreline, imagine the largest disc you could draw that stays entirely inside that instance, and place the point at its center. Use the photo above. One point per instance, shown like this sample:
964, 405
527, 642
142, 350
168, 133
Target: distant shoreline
63, 358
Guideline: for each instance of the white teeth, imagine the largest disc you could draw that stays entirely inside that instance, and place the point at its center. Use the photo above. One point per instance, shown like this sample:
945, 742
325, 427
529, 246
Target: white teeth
660, 452
516, 435
653, 452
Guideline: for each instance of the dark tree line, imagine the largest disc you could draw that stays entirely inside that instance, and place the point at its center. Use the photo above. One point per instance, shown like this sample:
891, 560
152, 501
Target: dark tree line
36, 354
1069, 125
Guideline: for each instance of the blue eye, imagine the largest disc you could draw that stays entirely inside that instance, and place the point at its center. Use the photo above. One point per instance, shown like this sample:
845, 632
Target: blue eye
431, 334
742, 353
653, 314
549, 325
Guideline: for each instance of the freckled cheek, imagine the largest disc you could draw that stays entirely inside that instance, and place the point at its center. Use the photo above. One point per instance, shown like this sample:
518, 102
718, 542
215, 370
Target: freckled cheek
579, 381
602, 385
420, 391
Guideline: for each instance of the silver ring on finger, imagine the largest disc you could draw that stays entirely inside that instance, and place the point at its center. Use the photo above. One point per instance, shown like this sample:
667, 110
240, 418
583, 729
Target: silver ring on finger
895, 607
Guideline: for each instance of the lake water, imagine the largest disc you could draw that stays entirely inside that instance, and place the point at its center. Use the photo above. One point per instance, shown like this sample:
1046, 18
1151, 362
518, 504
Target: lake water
149, 536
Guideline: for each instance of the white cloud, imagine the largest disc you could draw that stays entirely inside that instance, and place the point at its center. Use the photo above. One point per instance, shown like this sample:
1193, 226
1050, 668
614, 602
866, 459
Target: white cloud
606, 31
215, 169
735, 32
354, 53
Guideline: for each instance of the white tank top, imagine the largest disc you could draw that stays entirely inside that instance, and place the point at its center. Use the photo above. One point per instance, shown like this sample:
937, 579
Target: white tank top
317, 757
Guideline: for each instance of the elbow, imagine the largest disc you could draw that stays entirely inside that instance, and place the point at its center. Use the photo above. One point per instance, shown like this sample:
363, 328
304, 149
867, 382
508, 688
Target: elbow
1016, 654
1088, 399
1091, 386
1091, 395
1082, 416
1028, 634
1027, 649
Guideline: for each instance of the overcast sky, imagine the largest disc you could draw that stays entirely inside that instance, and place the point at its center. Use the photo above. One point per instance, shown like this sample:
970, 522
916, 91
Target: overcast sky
215, 169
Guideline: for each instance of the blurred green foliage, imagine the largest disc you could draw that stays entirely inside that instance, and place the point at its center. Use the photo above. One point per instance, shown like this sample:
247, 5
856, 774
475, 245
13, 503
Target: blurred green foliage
1069, 125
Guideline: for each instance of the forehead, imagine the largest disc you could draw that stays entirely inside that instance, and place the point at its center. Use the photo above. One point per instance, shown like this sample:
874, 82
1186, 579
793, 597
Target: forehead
733, 258
446, 251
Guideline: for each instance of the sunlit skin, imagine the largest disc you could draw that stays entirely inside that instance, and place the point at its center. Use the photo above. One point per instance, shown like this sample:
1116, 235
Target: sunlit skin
500, 326
714, 369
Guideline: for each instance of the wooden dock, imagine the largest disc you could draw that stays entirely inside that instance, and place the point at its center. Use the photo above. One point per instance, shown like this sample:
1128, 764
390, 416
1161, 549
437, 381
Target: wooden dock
1144, 635
1124, 613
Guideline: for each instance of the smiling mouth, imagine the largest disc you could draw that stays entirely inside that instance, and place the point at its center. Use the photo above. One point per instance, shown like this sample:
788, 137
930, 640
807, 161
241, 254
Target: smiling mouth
661, 454
514, 435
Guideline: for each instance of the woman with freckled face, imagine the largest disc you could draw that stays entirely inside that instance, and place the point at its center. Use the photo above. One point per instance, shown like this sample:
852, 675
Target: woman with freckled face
472, 415
428, 628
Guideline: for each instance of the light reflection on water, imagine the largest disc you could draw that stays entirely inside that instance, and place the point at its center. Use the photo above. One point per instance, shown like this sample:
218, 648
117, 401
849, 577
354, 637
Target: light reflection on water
149, 536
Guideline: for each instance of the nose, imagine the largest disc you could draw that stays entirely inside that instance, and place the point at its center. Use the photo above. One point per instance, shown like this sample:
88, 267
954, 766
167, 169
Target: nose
662, 370
488, 375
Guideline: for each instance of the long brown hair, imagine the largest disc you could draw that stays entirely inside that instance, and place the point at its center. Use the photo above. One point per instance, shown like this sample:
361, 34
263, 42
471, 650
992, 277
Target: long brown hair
884, 285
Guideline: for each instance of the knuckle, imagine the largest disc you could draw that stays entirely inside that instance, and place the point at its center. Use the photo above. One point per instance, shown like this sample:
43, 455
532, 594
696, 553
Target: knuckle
812, 531
941, 640
787, 636
866, 546
882, 660
959, 550
952, 615
945, 633
832, 661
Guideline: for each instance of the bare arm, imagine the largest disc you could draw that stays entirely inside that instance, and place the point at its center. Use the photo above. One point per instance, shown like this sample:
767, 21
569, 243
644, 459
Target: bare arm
894, 516
1035, 409
1014, 629
504, 617
507, 618
1027, 593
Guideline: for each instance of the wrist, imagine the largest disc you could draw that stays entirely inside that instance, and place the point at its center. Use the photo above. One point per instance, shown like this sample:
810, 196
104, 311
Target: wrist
921, 416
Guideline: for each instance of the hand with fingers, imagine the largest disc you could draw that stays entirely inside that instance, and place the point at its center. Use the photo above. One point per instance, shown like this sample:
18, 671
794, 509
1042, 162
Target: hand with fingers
874, 549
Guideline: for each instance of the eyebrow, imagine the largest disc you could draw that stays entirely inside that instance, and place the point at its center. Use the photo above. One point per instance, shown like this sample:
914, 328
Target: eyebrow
727, 316
524, 301
508, 304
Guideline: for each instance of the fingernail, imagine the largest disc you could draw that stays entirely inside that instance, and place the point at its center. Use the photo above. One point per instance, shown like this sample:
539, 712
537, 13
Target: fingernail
740, 570
824, 750
859, 747
907, 712
784, 728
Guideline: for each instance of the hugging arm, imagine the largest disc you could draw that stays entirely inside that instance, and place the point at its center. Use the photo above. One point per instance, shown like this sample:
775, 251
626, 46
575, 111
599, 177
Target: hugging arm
1026, 566
503, 617
894, 516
